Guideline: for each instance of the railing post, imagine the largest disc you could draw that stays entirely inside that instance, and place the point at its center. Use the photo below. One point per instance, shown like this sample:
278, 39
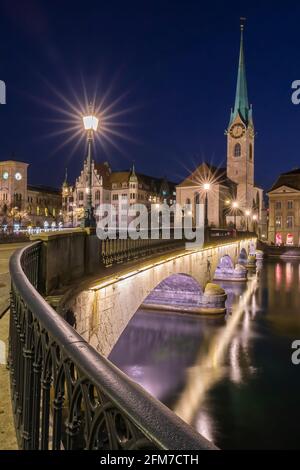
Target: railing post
28, 383
36, 408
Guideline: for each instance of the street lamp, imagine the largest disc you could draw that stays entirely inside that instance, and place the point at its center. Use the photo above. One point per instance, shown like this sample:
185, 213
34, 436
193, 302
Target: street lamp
206, 187
90, 123
235, 206
248, 213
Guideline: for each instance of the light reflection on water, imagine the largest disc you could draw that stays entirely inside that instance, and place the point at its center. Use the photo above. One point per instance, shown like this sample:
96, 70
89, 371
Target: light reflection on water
229, 377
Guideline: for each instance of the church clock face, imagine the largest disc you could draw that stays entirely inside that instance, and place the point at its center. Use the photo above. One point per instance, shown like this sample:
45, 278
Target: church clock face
18, 176
5, 175
237, 131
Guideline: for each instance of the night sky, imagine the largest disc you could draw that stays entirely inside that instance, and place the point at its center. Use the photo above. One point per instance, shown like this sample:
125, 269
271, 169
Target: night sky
170, 68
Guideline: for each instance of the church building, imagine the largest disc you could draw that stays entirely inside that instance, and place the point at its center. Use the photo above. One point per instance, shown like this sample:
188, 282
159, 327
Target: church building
233, 197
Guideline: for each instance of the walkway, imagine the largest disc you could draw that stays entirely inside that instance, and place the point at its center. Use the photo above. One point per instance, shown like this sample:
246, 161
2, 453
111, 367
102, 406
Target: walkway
7, 431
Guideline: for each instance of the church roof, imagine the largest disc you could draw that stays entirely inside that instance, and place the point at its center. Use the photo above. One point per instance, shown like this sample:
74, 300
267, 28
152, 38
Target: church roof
207, 172
241, 105
291, 179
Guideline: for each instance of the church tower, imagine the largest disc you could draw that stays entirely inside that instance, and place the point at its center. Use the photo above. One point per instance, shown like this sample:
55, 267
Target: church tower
240, 138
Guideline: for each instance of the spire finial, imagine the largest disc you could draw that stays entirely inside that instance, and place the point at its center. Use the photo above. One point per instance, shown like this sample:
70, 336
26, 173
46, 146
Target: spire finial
242, 22
65, 183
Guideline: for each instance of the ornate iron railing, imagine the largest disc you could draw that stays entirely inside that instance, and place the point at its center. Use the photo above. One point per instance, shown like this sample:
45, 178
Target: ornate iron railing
120, 250
67, 396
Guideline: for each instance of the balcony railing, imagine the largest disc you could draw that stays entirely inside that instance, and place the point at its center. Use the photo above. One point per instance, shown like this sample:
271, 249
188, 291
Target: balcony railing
65, 395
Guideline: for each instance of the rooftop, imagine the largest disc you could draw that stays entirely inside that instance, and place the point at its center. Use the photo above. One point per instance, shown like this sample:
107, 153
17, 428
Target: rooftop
208, 172
290, 179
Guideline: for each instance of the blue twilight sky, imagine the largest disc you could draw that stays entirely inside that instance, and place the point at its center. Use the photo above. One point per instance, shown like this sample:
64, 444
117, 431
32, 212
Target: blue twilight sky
168, 67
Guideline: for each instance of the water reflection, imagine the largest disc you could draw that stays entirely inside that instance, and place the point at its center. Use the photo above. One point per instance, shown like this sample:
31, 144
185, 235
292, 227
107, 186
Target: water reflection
214, 372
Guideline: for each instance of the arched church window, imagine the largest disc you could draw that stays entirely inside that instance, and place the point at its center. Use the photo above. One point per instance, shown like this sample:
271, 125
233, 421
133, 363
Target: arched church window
237, 150
250, 153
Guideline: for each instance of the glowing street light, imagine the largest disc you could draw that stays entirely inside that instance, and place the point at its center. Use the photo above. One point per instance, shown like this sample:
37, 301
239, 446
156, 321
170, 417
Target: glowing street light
248, 213
90, 123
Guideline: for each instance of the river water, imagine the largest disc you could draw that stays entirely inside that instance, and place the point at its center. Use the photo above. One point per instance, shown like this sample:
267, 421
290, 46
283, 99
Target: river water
231, 377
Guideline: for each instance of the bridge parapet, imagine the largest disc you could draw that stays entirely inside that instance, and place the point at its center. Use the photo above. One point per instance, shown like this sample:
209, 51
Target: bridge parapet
67, 396
69, 255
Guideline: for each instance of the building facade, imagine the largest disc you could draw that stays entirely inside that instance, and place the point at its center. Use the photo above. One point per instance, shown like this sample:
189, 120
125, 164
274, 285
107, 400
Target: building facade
284, 210
23, 203
119, 188
233, 198
190, 192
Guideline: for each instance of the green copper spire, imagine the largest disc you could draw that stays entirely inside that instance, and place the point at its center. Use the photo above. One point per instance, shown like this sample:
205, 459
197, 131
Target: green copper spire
241, 105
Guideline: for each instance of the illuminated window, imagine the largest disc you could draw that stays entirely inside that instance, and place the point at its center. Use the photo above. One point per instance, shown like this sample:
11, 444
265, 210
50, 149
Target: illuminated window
80, 196
237, 150
37, 210
278, 221
115, 197
277, 205
290, 204
289, 221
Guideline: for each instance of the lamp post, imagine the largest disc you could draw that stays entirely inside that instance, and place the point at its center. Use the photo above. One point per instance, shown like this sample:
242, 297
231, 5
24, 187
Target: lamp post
90, 123
254, 218
235, 205
248, 213
206, 188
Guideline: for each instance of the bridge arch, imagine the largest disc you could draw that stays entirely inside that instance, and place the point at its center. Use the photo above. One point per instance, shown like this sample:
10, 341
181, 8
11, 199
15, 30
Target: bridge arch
243, 256
226, 262
103, 310
176, 290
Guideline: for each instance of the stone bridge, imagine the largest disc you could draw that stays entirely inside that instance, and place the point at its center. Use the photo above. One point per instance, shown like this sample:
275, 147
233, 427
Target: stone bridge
103, 309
